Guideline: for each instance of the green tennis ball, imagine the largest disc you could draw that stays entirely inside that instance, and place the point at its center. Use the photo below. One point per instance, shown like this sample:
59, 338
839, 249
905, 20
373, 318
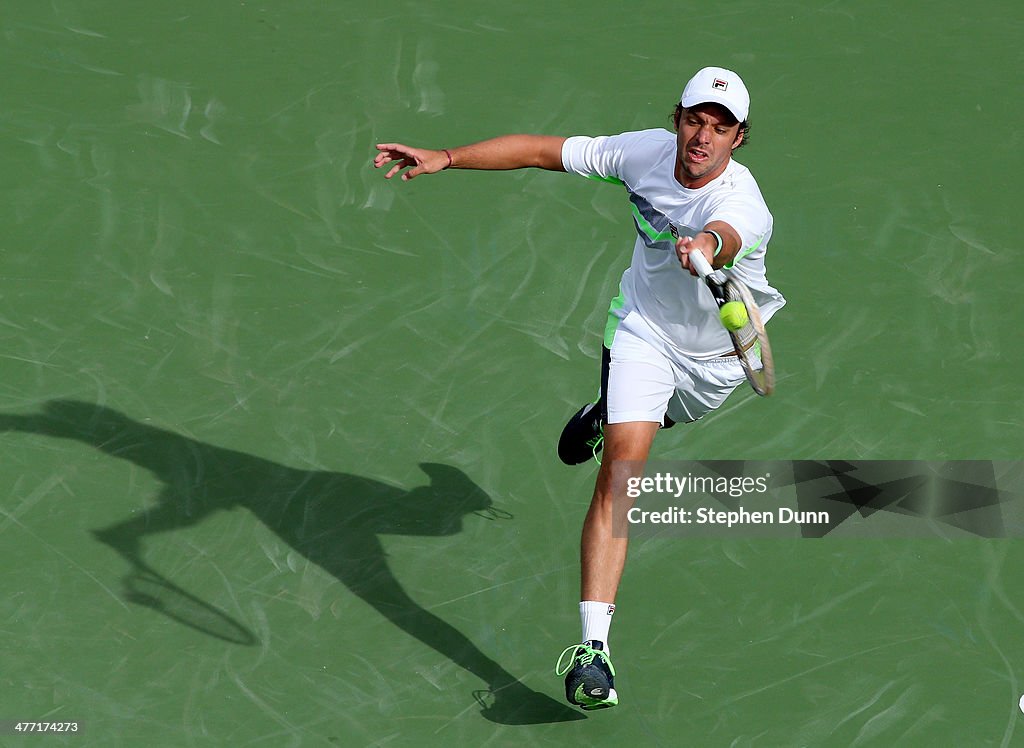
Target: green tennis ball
733, 315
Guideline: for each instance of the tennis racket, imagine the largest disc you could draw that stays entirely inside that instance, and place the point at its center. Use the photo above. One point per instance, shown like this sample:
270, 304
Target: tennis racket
750, 341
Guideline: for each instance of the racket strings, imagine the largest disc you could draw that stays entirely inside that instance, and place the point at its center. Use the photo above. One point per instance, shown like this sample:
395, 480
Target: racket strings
746, 335
754, 352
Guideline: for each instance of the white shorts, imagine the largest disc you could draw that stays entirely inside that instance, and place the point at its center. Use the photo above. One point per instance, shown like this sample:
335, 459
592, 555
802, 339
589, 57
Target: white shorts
647, 379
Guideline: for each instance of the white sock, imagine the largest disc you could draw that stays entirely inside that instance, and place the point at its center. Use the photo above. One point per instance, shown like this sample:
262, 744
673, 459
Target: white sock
596, 618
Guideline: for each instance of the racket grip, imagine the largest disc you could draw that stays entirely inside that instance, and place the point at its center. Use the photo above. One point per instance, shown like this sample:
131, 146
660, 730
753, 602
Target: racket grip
700, 263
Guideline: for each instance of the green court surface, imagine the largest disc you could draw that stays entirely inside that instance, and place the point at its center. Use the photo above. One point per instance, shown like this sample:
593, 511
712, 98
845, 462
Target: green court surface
278, 435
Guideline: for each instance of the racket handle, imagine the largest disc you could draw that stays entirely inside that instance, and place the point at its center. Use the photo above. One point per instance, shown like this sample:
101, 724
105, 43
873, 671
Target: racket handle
700, 263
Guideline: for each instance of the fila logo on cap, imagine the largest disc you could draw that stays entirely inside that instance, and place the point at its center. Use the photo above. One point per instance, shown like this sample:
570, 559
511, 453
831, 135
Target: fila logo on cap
717, 86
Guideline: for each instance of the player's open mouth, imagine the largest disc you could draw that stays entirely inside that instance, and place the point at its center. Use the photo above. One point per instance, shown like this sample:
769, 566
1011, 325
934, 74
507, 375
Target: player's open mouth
695, 155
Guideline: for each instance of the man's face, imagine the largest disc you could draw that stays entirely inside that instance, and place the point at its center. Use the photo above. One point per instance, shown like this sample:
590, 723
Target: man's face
705, 139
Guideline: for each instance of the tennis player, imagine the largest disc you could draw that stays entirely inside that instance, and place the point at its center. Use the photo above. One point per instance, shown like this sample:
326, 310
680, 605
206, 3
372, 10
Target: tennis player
666, 358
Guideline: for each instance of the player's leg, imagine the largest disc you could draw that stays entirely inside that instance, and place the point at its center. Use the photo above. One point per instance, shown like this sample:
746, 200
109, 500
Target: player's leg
603, 542
640, 384
590, 675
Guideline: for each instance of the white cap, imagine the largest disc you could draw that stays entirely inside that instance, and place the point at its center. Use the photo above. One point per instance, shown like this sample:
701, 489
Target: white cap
720, 86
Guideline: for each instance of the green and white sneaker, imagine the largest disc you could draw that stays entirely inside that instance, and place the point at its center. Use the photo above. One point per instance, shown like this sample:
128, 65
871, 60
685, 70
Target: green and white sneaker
589, 676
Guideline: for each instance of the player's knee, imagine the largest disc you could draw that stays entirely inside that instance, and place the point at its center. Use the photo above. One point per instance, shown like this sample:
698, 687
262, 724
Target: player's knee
612, 492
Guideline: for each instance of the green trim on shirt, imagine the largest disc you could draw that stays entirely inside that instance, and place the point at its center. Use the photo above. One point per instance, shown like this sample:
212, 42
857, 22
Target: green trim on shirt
609, 180
739, 256
647, 228
613, 320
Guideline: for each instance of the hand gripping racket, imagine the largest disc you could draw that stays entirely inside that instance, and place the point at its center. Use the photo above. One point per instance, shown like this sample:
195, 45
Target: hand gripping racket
749, 340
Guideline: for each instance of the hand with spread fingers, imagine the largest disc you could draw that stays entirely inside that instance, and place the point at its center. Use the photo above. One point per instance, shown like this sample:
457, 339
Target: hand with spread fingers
421, 160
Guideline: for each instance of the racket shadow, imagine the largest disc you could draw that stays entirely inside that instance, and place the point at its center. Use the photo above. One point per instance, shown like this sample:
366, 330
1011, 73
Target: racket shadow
335, 520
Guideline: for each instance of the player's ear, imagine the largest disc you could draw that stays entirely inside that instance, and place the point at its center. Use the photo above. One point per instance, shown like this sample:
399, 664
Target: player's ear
741, 135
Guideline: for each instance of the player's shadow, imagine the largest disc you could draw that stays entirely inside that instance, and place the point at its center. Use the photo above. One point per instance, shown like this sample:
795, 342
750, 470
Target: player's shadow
333, 519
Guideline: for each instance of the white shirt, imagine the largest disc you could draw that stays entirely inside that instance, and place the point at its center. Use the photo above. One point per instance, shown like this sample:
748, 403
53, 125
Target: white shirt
678, 306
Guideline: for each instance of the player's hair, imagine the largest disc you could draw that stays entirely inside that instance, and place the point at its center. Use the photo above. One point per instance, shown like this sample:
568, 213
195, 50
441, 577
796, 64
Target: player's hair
677, 115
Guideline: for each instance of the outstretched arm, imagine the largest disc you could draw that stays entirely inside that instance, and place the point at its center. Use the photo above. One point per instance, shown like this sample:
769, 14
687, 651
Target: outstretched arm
504, 152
